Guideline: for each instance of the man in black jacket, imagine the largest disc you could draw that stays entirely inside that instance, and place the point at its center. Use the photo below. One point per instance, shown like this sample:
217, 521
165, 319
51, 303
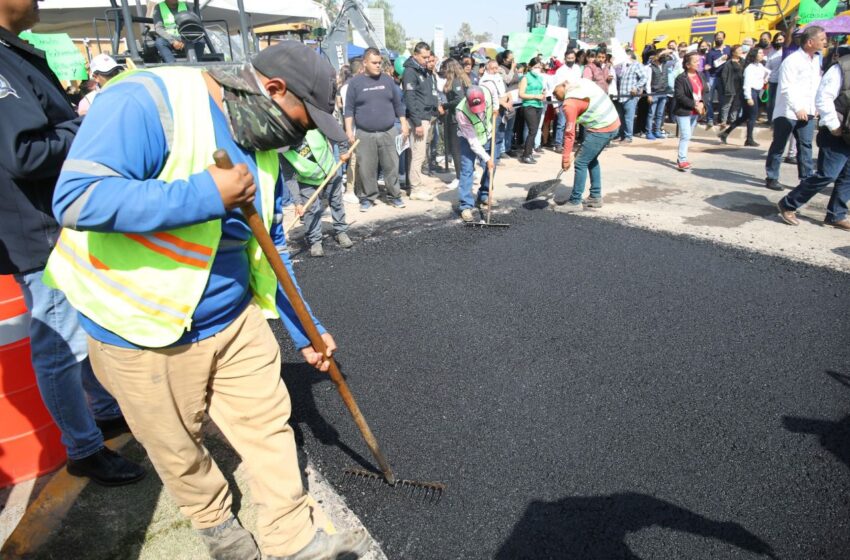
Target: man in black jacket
421, 100
37, 127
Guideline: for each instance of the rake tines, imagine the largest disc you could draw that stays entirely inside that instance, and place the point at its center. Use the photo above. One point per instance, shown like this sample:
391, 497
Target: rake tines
430, 492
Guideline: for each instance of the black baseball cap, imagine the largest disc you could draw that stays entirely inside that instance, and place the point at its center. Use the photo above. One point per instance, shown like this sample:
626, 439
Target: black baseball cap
307, 75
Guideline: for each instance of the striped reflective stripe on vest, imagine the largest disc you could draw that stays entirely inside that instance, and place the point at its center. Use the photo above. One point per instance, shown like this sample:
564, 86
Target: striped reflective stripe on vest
136, 296
171, 246
158, 98
72, 214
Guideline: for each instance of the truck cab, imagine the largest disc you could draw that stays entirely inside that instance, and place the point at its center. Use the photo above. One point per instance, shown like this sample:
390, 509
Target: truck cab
560, 13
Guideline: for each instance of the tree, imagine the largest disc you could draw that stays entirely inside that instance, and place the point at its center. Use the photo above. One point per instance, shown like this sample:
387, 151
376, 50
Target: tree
602, 19
331, 7
485, 37
464, 33
393, 30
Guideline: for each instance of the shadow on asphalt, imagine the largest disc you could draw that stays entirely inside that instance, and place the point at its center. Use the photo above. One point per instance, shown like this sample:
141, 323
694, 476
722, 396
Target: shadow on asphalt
302, 380
728, 176
833, 436
596, 527
842, 251
664, 162
733, 151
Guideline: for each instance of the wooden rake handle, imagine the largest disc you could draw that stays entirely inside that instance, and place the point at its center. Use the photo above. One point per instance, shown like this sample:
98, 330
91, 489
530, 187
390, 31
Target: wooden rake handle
490, 198
321, 188
255, 222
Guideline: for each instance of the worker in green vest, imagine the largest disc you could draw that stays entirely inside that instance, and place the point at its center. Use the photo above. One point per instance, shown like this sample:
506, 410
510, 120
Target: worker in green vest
174, 292
305, 168
474, 116
168, 41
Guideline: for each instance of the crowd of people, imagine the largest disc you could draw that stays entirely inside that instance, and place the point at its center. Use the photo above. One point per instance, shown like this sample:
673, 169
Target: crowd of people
715, 85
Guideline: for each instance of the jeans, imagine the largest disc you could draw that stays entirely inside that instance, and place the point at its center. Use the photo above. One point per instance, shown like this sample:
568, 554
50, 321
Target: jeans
772, 90
510, 130
751, 113
467, 169
587, 160
833, 166
655, 117
629, 109
560, 125
715, 86
166, 52
802, 132
686, 130
62, 368
730, 108
313, 215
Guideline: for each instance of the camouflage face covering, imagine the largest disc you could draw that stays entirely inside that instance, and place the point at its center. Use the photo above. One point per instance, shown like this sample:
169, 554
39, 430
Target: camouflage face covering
256, 121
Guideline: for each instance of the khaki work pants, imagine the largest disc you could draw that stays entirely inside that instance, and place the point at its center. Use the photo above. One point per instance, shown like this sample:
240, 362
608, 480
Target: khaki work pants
235, 377
418, 153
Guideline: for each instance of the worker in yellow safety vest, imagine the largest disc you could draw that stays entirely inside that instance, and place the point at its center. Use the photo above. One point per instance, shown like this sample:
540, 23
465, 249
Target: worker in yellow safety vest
168, 41
173, 290
585, 103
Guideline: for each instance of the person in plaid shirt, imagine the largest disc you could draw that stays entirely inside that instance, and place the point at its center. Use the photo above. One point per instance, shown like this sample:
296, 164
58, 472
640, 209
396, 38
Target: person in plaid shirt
632, 84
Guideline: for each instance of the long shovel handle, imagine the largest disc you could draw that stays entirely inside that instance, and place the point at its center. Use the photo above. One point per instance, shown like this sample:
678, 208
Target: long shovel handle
321, 188
490, 195
223, 161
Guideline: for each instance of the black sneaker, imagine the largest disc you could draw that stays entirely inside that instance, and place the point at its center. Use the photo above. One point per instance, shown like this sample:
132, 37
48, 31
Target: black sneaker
751, 143
107, 468
528, 159
773, 184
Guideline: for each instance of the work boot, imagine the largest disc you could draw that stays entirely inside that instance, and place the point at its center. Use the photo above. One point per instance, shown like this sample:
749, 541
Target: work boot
316, 249
230, 541
751, 143
107, 468
723, 137
347, 545
593, 202
840, 224
466, 215
344, 241
788, 216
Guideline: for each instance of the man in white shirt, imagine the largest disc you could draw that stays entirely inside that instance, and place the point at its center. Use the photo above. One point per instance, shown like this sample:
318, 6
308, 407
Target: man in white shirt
794, 113
495, 84
834, 159
568, 72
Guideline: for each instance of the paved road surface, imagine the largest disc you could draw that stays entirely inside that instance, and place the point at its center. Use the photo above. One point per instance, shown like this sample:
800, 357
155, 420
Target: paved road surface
587, 391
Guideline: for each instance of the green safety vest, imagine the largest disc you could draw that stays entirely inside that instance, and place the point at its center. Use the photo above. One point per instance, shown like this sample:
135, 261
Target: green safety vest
483, 127
168, 16
313, 160
145, 287
600, 111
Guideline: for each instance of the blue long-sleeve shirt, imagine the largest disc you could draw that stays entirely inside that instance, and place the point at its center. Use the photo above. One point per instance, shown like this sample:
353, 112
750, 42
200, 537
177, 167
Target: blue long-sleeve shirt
108, 184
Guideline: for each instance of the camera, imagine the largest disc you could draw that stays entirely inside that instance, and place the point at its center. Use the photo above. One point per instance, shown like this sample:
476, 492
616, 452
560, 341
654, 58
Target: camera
460, 50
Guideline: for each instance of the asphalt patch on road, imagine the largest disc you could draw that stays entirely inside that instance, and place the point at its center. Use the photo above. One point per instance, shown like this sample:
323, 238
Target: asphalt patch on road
587, 391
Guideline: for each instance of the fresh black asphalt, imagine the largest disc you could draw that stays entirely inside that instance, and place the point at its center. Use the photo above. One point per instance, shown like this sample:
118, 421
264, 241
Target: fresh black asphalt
586, 391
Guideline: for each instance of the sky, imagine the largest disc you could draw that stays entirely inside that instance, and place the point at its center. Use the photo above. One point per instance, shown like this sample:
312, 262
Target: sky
499, 17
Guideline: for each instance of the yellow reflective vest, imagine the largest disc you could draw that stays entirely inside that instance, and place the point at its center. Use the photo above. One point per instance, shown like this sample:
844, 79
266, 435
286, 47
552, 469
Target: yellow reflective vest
600, 112
168, 16
145, 287
313, 160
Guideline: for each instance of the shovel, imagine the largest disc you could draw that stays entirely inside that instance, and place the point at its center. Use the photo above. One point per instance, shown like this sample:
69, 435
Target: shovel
428, 490
544, 188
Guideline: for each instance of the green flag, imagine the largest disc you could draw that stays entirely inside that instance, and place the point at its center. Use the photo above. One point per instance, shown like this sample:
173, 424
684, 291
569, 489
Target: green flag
813, 10
63, 57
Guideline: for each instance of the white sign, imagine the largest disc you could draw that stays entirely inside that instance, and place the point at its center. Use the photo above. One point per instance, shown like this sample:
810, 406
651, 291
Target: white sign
562, 34
439, 42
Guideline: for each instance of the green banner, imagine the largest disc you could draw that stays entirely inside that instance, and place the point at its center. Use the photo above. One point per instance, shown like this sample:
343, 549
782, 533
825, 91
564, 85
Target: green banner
64, 59
813, 10
526, 46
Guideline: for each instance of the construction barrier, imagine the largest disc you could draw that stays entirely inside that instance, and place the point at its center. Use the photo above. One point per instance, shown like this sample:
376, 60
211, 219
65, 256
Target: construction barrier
29, 440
